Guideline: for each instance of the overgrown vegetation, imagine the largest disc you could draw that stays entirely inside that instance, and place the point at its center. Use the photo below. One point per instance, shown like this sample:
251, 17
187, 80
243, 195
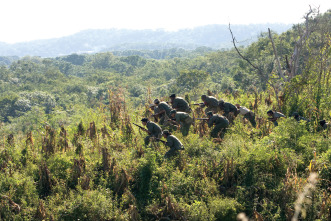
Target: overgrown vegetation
68, 150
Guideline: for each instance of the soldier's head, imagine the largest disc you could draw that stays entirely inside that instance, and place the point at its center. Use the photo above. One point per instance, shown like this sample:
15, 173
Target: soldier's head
173, 113
221, 103
322, 122
296, 115
166, 133
203, 97
209, 114
270, 113
172, 97
156, 102
237, 105
144, 121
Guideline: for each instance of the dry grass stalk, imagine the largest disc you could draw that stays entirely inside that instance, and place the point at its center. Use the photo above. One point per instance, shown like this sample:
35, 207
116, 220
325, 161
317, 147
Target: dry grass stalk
80, 129
268, 100
10, 139
14, 206
122, 181
78, 169
133, 213
41, 211
49, 142
308, 188
45, 181
63, 142
104, 132
91, 132
85, 182
116, 104
29, 139
105, 160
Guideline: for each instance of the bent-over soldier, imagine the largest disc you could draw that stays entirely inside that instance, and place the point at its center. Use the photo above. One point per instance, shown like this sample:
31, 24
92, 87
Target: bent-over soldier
179, 104
221, 124
230, 111
182, 119
153, 130
172, 142
163, 111
274, 116
211, 103
248, 114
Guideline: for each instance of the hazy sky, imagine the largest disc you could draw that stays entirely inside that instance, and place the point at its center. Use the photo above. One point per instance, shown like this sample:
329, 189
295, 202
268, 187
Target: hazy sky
25, 20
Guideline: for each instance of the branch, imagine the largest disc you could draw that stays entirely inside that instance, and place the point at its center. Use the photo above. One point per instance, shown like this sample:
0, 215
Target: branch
246, 59
276, 56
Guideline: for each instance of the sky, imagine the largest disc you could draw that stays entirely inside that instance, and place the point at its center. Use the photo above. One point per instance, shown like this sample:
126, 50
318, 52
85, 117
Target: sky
26, 20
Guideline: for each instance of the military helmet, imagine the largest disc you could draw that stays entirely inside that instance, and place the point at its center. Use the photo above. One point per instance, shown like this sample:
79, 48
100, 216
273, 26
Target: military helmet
166, 132
203, 97
270, 112
221, 101
173, 95
322, 122
156, 101
144, 119
210, 113
173, 112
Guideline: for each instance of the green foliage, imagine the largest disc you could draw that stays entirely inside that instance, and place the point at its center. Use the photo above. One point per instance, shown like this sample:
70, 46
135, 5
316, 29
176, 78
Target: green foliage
68, 150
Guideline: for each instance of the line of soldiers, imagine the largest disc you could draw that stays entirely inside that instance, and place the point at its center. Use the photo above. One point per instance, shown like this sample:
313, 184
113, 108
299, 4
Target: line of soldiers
178, 116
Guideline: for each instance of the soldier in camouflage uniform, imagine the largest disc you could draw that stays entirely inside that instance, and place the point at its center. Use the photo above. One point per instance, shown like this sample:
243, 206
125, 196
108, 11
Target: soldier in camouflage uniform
163, 111
153, 130
221, 124
182, 119
230, 111
179, 104
211, 103
274, 116
155, 110
172, 142
248, 114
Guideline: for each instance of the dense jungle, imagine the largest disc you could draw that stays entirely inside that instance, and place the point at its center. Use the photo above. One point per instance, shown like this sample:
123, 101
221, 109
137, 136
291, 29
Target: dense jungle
69, 150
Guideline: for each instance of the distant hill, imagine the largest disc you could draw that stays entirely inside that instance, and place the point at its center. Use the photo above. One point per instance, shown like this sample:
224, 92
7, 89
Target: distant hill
92, 41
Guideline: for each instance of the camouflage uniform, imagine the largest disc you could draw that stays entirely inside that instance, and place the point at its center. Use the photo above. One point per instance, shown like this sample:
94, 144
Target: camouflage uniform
277, 115
185, 122
155, 131
212, 104
221, 124
248, 114
174, 144
164, 106
230, 111
180, 104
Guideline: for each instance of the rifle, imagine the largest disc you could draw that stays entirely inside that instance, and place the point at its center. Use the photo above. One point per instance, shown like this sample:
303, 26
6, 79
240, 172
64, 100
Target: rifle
144, 129
198, 104
202, 118
162, 141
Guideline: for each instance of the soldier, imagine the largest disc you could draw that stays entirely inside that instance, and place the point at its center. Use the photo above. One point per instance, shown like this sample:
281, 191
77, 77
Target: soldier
324, 125
221, 124
155, 110
153, 130
248, 114
230, 111
172, 142
274, 116
299, 118
182, 119
179, 104
211, 103
163, 111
